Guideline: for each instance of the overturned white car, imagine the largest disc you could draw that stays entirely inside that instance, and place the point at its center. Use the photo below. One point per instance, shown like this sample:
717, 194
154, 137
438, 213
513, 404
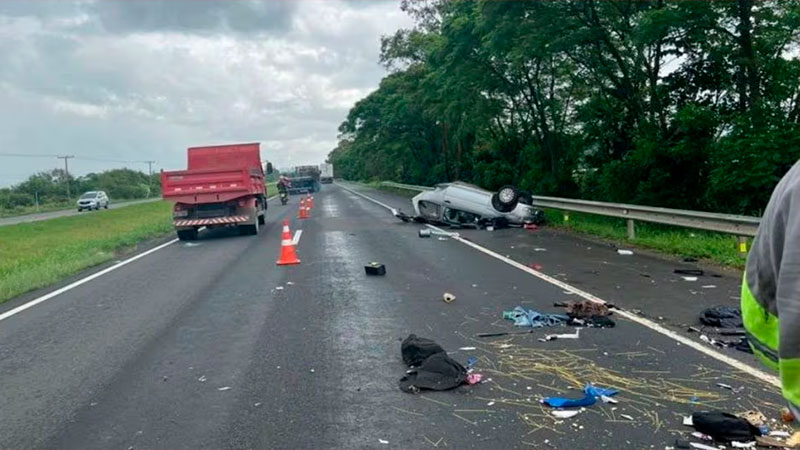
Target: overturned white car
463, 204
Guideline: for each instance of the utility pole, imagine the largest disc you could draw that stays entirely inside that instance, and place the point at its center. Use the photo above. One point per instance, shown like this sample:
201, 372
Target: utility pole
150, 167
66, 158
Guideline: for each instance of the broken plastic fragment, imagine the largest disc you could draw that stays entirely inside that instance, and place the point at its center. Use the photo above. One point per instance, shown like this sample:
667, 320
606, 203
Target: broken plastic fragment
574, 335
278, 288
690, 278
565, 413
625, 252
625, 416
737, 444
702, 446
383, 441
467, 348
605, 399
688, 421
448, 297
224, 388
202, 379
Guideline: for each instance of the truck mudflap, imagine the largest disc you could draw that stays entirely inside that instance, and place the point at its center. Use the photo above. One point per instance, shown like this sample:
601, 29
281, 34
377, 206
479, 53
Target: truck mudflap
213, 221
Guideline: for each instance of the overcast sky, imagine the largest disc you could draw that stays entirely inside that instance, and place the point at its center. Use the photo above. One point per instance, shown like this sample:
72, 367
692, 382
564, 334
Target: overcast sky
144, 79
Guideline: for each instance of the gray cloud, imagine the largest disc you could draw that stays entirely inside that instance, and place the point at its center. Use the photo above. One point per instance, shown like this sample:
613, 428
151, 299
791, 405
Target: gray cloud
139, 80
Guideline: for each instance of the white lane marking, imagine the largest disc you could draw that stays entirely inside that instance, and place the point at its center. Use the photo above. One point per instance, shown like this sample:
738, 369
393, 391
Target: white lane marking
761, 375
85, 280
44, 298
297, 235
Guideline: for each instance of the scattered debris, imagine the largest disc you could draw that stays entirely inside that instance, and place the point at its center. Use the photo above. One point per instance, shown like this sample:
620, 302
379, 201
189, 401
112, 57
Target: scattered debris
437, 371
687, 420
709, 286
724, 427
257, 404
692, 272
584, 308
702, 436
278, 288
702, 446
490, 404
202, 379
625, 252
375, 268
474, 378
424, 233
786, 415
766, 441
565, 413
529, 318
754, 417
466, 348
552, 337
607, 399
224, 388
689, 278
502, 333
778, 433
535, 266
722, 317
591, 394
290, 283
448, 297
625, 416
539, 249
737, 444
382, 441
794, 440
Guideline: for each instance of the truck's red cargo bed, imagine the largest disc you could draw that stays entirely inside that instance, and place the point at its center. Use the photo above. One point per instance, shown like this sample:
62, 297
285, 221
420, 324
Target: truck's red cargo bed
216, 174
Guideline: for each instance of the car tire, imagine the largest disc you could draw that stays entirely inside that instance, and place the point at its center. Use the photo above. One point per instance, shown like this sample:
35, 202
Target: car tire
187, 235
80, 210
506, 199
106, 207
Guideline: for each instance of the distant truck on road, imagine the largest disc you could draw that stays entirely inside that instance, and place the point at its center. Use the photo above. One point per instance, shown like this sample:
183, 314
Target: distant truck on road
326, 173
222, 186
305, 180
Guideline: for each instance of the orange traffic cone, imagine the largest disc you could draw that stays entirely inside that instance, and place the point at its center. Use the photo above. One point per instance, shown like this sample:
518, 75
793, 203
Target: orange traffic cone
301, 213
288, 255
309, 201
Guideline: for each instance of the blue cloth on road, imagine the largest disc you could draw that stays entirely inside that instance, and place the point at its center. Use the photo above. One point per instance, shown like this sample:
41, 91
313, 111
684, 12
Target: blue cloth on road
590, 395
529, 318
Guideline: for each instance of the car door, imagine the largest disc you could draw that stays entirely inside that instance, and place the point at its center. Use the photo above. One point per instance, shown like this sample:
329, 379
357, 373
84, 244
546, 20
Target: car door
469, 199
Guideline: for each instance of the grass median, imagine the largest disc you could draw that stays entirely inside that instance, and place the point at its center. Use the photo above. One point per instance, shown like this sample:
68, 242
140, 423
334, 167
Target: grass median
36, 254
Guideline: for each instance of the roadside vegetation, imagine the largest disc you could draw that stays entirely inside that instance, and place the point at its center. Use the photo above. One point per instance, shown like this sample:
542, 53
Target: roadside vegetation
691, 105
36, 254
47, 191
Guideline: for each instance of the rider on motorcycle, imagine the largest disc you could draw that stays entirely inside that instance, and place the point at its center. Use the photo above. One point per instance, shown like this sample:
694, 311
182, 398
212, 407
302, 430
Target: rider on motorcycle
283, 184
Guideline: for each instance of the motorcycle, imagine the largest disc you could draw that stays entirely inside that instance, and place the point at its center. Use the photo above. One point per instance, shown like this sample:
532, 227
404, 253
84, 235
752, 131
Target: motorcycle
284, 195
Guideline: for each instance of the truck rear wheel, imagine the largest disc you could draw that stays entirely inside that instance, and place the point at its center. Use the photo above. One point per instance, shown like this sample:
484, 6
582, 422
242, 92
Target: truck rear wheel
187, 235
249, 230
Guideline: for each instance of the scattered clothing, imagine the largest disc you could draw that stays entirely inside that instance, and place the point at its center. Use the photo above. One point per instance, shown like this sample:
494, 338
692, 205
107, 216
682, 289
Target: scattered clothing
438, 372
586, 308
474, 378
415, 350
590, 396
529, 318
724, 427
722, 317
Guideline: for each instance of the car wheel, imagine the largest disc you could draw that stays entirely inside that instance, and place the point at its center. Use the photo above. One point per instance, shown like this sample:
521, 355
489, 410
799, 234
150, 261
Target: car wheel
80, 210
506, 199
106, 207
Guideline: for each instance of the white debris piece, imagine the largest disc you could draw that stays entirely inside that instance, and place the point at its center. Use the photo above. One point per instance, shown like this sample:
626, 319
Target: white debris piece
611, 400
725, 386
709, 286
690, 278
382, 441
224, 388
783, 434
625, 252
688, 421
278, 288
467, 348
539, 249
702, 446
490, 404
506, 345
625, 416
574, 335
202, 379
290, 283
737, 444
565, 414
702, 436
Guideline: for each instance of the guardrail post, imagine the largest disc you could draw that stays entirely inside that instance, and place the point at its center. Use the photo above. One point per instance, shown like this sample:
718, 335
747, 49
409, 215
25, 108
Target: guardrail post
742, 244
631, 229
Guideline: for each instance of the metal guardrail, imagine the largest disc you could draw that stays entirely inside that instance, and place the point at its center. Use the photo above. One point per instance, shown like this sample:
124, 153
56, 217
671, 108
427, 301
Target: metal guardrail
742, 226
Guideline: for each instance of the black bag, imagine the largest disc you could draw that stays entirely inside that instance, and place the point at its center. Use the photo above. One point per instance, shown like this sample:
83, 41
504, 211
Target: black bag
416, 349
438, 372
724, 427
722, 317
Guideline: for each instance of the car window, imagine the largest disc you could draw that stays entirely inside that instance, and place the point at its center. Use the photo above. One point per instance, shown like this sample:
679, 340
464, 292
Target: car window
88, 195
458, 216
429, 210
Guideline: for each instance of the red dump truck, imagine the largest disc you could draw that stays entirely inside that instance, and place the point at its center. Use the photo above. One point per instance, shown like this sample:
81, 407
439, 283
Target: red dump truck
222, 186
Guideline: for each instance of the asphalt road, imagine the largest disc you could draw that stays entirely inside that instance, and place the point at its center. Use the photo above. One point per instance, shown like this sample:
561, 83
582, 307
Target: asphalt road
64, 212
210, 345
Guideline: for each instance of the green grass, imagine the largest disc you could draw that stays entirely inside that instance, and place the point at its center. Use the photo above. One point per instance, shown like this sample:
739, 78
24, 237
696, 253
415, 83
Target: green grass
272, 189
715, 247
47, 207
36, 254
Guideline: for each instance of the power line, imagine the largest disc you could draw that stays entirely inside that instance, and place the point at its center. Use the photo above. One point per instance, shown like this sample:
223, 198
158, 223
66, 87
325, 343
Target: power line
29, 155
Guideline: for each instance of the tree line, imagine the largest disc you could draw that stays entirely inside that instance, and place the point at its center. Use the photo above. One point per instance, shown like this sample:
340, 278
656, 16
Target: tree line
684, 104
50, 187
